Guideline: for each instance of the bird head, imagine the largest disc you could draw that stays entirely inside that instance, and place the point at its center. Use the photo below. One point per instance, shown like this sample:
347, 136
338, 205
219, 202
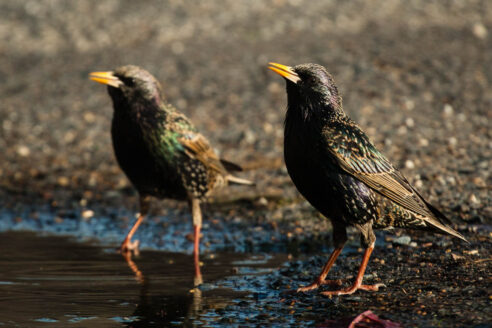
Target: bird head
130, 84
310, 87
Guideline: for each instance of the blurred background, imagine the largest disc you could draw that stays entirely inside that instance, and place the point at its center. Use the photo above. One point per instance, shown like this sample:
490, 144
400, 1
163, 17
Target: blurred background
416, 75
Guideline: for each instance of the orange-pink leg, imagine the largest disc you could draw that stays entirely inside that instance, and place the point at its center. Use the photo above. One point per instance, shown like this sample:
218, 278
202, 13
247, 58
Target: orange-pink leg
196, 256
197, 225
128, 246
358, 281
321, 278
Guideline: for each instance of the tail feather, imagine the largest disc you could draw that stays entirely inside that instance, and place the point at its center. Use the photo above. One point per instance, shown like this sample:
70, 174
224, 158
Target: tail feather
441, 222
236, 180
230, 166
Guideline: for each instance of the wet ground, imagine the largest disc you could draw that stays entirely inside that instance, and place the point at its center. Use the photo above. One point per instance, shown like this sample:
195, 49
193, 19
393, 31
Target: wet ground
54, 282
416, 76
50, 280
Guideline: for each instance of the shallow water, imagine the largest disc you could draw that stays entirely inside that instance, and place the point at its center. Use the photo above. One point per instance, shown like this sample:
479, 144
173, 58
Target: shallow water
50, 280
55, 282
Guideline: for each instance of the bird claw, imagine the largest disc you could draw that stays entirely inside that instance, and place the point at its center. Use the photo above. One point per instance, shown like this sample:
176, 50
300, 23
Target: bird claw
129, 247
353, 289
317, 284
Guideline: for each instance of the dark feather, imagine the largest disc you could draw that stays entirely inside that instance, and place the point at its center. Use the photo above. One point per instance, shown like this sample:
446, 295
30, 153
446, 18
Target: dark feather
230, 166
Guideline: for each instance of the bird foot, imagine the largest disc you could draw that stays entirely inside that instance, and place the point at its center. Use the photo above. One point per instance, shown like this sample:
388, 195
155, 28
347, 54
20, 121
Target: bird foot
197, 280
317, 284
129, 247
353, 289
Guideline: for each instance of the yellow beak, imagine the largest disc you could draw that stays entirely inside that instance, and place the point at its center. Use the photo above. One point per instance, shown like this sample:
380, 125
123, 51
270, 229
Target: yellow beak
285, 71
106, 78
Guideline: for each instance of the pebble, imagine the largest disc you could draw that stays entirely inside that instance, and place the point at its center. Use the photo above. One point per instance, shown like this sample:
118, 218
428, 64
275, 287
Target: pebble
403, 240
409, 104
448, 110
480, 31
473, 199
409, 164
423, 142
452, 141
262, 201
63, 181
23, 151
87, 214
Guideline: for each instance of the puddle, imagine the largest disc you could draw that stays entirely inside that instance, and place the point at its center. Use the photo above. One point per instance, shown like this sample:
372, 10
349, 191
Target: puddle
55, 282
47, 280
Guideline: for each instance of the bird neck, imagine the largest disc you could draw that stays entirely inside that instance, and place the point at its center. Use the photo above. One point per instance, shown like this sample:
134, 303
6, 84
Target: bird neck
313, 113
146, 113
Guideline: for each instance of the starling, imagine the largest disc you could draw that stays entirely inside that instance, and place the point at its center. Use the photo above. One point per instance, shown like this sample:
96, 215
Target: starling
159, 149
341, 173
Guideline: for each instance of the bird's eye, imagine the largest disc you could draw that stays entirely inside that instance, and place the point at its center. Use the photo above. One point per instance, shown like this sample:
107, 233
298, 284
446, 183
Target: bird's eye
129, 81
310, 80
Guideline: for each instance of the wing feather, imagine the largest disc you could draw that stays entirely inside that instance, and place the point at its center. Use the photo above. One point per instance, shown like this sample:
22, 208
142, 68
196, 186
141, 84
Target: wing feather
357, 156
196, 146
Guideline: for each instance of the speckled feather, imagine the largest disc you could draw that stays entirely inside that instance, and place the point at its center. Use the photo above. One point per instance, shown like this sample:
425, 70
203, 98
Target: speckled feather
340, 172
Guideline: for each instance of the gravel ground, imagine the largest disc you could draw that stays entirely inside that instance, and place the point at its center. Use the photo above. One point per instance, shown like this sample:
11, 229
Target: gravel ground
416, 76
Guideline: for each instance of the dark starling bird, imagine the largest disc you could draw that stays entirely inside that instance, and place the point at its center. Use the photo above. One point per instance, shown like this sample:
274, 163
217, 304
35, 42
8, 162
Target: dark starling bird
340, 172
159, 149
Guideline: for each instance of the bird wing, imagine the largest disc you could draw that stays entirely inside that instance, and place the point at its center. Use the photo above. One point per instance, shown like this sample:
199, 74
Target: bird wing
196, 146
357, 156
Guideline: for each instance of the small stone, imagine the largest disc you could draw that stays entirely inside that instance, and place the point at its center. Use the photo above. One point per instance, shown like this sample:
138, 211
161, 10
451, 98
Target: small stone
480, 31
452, 141
448, 110
410, 122
451, 180
89, 117
403, 240
457, 257
249, 137
87, 214
63, 181
263, 201
423, 142
23, 151
409, 104
409, 164
479, 182
473, 199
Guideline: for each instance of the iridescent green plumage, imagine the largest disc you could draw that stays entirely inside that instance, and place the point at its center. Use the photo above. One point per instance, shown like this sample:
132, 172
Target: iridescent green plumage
158, 148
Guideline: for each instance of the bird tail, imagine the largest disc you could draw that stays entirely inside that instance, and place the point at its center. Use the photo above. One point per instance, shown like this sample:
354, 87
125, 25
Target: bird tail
230, 166
236, 180
440, 223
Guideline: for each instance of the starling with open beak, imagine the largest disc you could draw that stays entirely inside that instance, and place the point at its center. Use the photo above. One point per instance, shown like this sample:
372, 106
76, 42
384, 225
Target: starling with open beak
159, 149
342, 174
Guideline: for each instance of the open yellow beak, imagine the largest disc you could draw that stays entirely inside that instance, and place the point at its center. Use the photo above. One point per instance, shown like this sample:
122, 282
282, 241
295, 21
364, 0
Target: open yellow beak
285, 71
106, 78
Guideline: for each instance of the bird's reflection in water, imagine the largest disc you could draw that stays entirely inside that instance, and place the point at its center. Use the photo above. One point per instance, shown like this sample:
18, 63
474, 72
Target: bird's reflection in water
179, 306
